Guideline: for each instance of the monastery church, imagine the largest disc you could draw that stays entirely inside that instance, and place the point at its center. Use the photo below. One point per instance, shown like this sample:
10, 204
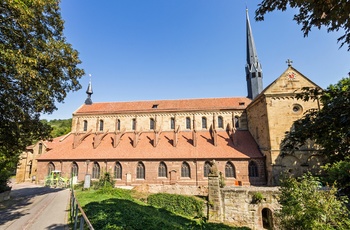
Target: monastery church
173, 142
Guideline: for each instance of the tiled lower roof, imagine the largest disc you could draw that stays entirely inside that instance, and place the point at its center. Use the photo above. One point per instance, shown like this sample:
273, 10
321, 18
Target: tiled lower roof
245, 147
165, 105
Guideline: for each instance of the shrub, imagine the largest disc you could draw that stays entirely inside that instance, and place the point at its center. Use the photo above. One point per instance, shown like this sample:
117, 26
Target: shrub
183, 205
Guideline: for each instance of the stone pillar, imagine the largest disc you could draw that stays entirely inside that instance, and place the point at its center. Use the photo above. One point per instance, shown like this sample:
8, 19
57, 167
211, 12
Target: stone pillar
214, 199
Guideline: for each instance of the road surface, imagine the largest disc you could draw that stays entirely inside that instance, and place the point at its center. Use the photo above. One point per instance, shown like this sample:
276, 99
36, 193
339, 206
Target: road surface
34, 207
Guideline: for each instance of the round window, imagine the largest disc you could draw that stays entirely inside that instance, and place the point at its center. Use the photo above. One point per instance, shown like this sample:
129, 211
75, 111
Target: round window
297, 109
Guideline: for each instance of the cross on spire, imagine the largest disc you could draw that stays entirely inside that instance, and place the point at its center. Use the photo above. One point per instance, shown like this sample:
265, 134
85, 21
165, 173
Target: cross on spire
289, 62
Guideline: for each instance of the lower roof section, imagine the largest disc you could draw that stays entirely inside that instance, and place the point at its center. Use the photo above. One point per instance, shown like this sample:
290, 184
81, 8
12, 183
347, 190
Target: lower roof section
152, 145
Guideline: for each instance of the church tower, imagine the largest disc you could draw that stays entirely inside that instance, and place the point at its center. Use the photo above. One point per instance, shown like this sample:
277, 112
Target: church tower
89, 92
253, 68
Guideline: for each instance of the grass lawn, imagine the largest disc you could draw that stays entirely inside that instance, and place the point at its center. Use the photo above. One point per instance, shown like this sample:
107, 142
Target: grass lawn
123, 209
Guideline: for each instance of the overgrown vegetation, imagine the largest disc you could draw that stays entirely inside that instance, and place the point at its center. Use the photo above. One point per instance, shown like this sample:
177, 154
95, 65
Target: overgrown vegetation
183, 205
121, 209
307, 205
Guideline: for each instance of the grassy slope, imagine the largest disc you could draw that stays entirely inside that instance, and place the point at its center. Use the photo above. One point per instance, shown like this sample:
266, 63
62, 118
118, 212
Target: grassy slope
121, 211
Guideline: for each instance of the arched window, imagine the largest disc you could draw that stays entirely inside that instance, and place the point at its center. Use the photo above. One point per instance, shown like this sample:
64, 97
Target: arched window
101, 125
236, 122
118, 125
50, 168
118, 171
140, 172
133, 124
204, 122
74, 169
172, 123
95, 171
40, 151
253, 169
151, 123
85, 125
185, 170
220, 122
188, 123
230, 170
267, 218
162, 170
206, 169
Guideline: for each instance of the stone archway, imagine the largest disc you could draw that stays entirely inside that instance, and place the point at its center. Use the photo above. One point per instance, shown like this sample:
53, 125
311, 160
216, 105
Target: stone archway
267, 218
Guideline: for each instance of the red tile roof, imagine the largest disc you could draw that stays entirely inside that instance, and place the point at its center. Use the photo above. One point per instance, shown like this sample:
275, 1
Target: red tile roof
244, 149
164, 105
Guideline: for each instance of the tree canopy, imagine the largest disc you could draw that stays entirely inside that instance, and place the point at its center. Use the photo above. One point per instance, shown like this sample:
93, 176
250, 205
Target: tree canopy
332, 14
37, 69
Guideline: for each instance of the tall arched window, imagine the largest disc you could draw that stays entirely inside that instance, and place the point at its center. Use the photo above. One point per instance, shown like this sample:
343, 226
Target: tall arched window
50, 168
253, 169
95, 171
206, 169
188, 123
118, 171
185, 170
140, 171
151, 123
101, 125
74, 169
85, 125
220, 122
204, 122
230, 170
172, 123
162, 170
118, 125
133, 124
40, 151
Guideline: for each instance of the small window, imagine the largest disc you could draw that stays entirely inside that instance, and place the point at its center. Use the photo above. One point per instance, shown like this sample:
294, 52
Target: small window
140, 171
133, 124
101, 125
118, 171
151, 123
118, 125
40, 151
155, 106
253, 169
230, 170
185, 170
188, 123
50, 168
220, 122
95, 171
162, 170
74, 169
204, 122
206, 169
172, 123
85, 125
236, 122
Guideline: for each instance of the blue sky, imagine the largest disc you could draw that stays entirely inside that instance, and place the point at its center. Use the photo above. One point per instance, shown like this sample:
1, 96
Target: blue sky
174, 49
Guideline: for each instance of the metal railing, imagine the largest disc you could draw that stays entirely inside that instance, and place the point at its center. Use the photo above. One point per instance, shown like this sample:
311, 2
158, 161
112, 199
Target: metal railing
77, 214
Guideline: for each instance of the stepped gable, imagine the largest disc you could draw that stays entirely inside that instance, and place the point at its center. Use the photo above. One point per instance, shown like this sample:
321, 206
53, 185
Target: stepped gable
245, 147
164, 105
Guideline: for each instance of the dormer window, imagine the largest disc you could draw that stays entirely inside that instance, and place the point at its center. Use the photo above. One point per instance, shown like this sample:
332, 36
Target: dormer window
241, 103
154, 106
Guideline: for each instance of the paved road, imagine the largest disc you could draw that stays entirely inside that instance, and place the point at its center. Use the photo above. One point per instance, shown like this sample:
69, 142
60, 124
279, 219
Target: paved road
34, 207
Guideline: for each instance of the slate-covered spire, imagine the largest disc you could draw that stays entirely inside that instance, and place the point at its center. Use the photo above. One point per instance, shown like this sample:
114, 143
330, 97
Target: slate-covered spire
89, 92
253, 67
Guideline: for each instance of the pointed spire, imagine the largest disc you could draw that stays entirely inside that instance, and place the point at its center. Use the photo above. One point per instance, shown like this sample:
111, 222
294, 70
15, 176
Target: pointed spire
89, 92
253, 66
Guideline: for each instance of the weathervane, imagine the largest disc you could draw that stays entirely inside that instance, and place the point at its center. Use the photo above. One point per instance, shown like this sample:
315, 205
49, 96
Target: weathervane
289, 62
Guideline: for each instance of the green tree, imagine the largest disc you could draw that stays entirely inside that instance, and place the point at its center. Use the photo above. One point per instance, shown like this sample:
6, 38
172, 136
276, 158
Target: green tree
306, 205
332, 14
37, 68
328, 127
